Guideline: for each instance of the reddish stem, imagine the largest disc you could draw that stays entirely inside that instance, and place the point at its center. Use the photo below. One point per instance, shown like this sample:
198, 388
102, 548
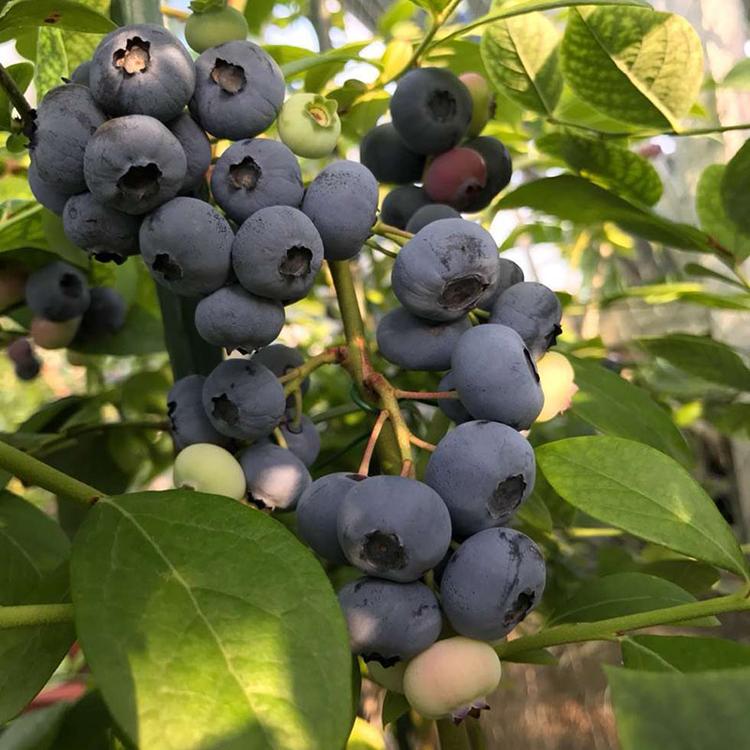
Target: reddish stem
364, 467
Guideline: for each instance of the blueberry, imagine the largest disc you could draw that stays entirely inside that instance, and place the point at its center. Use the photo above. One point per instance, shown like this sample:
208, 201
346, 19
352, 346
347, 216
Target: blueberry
389, 622
533, 311
105, 233
309, 124
277, 253
443, 271
494, 579
81, 73
429, 213
317, 511
28, 369
197, 150
209, 468
416, 344
255, 174
47, 334
495, 376
134, 164
188, 419
393, 527
187, 246
142, 69
342, 202
483, 101
452, 407
431, 110
499, 171
401, 204
214, 26
483, 471
239, 90
509, 273
49, 196
275, 477
66, 120
280, 359
455, 176
105, 315
19, 351
57, 292
384, 153
235, 319
452, 679
303, 440
243, 399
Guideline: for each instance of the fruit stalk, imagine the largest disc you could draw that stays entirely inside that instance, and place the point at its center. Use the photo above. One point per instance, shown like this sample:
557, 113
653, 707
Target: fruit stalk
608, 630
18, 100
31, 470
452, 737
27, 615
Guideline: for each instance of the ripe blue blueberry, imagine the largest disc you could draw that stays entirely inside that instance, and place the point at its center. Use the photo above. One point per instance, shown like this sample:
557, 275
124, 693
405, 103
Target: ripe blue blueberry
483, 471
492, 581
81, 73
255, 174
25, 362
187, 246
276, 478
134, 164
105, 315
280, 359
389, 622
239, 90
243, 399
235, 319
429, 213
142, 69
401, 204
188, 419
277, 253
197, 150
49, 196
393, 527
452, 407
57, 292
303, 439
342, 202
442, 272
389, 159
495, 376
416, 344
509, 273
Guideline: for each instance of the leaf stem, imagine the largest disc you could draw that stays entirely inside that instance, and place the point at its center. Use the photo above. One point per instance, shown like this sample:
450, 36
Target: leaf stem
25, 112
640, 135
607, 630
27, 615
33, 471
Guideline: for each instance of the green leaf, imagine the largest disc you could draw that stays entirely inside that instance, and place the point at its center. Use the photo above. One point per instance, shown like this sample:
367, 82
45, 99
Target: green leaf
634, 64
86, 725
395, 706
701, 356
681, 653
333, 62
578, 200
714, 218
735, 185
732, 419
534, 512
644, 492
80, 46
33, 552
738, 77
52, 14
52, 61
521, 58
204, 616
665, 711
537, 656
22, 73
691, 575
615, 167
614, 406
572, 109
36, 730
623, 594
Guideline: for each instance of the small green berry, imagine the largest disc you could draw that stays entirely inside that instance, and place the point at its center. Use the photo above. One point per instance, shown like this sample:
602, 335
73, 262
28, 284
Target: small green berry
17, 143
483, 99
214, 27
209, 468
309, 125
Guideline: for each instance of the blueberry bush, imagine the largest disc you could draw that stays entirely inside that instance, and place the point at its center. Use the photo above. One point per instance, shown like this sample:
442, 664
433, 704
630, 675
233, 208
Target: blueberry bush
396, 458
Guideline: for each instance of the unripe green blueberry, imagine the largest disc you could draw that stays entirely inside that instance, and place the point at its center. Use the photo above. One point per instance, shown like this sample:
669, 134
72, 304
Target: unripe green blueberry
215, 27
309, 125
483, 99
50, 335
209, 468
391, 678
451, 678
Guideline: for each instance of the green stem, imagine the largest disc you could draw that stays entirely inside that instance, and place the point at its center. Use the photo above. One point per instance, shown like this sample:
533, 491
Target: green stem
358, 360
335, 412
452, 737
18, 100
34, 471
35, 614
607, 630
293, 379
375, 246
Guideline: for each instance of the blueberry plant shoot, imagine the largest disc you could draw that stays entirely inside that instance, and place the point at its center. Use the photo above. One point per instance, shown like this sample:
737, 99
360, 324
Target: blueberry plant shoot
342, 386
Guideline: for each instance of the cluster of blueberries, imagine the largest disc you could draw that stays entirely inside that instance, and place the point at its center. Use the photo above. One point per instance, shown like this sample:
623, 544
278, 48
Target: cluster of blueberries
65, 311
116, 154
